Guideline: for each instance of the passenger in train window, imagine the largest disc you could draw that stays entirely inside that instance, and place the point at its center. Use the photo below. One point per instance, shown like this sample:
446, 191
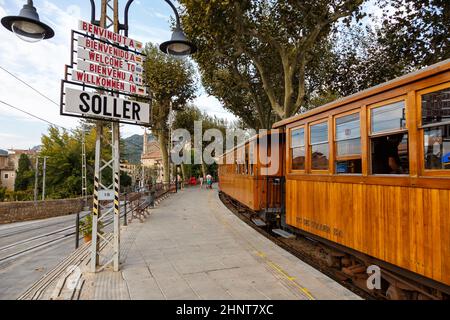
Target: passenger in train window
436, 118
390, 154
437, 148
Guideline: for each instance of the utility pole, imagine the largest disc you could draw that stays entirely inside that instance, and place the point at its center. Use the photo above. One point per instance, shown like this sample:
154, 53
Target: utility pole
36, 175
43, 178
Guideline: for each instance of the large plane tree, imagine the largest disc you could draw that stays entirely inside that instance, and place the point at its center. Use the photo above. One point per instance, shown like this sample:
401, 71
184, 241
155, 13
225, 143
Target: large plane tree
256, 55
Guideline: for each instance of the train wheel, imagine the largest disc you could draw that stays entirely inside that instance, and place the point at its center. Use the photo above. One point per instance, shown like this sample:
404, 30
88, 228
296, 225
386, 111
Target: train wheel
395, 293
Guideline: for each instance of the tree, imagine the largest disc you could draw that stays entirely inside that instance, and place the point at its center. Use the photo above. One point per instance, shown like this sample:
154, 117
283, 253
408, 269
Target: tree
185, 120
412, 35
254, 55
24, 174
417, 32
171, 82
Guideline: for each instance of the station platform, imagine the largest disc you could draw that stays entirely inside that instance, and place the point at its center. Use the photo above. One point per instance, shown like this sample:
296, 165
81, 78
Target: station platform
192, 247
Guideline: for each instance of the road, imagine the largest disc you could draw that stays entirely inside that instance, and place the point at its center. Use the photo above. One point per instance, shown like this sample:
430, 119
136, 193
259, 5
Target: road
19, 272
41, 245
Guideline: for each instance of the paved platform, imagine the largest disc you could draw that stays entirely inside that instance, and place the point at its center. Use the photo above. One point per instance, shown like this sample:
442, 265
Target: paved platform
193, 247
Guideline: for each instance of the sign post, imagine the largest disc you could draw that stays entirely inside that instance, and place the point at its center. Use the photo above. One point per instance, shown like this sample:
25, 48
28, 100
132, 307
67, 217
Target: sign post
105, 62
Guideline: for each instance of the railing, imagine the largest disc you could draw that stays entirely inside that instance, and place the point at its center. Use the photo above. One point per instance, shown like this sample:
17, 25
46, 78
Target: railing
136, 203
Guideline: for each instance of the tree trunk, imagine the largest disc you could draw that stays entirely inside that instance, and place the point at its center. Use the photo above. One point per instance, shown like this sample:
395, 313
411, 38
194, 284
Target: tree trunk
165, 156
183, 172
204, 169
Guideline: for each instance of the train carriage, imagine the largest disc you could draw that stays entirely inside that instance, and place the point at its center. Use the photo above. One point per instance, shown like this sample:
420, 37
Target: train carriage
252, 176
367, 177
370, 174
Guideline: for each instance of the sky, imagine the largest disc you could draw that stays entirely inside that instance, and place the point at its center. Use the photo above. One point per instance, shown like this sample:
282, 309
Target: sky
42, 66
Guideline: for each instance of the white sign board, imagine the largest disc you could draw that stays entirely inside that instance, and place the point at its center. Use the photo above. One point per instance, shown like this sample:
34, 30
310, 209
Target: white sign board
108, 83
109, 35
109, 61
105, 195
108, 49
102, 106
109, 72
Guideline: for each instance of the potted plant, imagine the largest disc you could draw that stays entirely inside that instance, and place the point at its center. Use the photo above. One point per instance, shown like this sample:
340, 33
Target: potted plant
86, 227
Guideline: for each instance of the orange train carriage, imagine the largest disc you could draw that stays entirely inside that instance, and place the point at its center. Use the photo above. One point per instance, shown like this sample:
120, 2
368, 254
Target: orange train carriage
369, 176
252, 183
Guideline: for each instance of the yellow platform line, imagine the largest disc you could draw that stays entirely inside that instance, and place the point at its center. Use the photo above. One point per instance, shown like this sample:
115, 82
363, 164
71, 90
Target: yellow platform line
268, 261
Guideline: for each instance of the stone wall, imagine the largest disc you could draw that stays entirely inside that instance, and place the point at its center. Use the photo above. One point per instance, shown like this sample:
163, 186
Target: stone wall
28, 210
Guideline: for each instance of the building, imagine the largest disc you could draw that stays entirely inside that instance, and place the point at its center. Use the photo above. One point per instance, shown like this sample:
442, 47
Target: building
152, 157
9, 164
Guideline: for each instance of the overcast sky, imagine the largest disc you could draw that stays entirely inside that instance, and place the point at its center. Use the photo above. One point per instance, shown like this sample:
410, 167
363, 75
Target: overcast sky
42, 65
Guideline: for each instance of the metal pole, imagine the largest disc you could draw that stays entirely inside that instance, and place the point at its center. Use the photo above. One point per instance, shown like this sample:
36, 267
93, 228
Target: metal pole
36, 170
77, 231
43, 178
96, 206
116, 166
125, 222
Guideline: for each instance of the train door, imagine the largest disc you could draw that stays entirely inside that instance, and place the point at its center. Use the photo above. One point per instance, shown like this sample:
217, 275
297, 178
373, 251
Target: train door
274, 186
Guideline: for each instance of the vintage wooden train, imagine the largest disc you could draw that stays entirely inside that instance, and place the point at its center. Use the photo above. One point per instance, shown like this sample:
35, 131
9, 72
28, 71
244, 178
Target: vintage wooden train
368, 178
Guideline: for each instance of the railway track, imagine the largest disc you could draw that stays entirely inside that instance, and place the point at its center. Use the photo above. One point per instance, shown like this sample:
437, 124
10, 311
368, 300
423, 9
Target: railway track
304, 250
19, 248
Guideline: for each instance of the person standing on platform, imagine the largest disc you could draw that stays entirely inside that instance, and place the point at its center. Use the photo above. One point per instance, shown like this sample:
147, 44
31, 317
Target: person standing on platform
201, 182
209, 181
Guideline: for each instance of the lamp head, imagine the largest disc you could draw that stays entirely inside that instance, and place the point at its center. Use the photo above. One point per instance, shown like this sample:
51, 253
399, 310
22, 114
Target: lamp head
27, 25
179, 45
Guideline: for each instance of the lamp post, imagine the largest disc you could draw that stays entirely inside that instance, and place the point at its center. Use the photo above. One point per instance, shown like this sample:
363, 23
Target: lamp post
178, 45
27, 25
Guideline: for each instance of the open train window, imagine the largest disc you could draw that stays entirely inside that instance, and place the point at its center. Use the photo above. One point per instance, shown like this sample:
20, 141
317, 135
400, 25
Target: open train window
389, 139
435, 103
298, 149
319, 146
348, 144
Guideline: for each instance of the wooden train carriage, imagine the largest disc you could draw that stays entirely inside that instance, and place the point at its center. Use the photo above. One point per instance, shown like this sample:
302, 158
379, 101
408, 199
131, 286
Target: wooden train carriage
371, 172
249, 181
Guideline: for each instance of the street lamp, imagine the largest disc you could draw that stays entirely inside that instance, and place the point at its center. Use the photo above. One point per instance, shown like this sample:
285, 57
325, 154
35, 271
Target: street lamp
27, 25
178, 45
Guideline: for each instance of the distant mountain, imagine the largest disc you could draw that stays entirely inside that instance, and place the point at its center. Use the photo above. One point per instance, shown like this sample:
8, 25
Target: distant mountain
132, 148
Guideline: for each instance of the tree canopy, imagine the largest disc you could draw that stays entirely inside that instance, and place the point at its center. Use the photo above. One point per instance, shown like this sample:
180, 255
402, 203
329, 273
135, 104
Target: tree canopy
171, 82
254, 55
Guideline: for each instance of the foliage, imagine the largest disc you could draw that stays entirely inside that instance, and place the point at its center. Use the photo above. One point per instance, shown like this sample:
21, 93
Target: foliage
24, 174
185, 120
171, 82
9, 195
63, 149
85, 226
2, 193
254, 55
410, 35
415, 33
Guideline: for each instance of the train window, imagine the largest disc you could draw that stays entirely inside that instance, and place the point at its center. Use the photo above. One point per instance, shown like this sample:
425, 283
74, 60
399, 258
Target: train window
298, 149
247, 162
348, 135
390, 154
389, 139
390, 117
348, 144
319, 146
436, 129
437, 148
353, 166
